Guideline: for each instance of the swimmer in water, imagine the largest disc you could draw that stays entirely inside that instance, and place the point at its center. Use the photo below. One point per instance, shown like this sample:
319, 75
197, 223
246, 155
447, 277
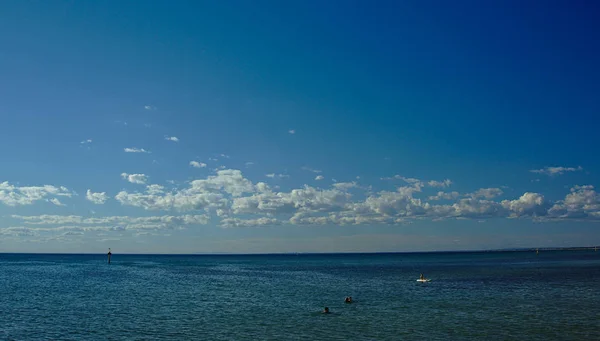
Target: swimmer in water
348, 299
326, 310
422, 277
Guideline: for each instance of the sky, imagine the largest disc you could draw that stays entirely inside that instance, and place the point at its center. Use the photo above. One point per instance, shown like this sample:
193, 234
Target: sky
298, 126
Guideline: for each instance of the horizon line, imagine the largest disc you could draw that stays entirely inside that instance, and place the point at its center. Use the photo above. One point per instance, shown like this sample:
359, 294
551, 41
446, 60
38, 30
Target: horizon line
550, 248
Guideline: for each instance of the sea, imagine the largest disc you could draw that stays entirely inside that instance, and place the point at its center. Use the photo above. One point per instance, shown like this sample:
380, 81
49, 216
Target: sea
554, 295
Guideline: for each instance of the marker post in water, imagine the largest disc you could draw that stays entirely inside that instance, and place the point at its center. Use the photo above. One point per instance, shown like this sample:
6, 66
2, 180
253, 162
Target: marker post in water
109, 254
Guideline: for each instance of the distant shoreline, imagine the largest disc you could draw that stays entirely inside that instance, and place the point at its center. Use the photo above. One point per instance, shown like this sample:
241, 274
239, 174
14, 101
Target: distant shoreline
540, 249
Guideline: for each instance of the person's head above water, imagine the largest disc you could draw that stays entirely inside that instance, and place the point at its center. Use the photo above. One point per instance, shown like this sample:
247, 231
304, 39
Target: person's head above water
326, 310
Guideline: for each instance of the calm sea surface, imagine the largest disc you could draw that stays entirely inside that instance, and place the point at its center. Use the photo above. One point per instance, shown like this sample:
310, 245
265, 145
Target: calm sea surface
472, 296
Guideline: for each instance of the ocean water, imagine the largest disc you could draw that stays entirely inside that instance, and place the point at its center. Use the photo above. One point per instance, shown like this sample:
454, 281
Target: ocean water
472, 296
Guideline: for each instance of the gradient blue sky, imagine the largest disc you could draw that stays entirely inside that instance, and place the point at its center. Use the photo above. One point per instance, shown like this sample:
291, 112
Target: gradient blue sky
315, 126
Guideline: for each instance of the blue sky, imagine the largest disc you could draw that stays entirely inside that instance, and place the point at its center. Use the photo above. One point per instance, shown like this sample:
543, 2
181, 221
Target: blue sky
298, 126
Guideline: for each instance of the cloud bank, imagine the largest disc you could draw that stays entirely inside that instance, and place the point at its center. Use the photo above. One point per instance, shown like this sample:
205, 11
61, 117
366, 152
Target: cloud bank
231, 196
233, 201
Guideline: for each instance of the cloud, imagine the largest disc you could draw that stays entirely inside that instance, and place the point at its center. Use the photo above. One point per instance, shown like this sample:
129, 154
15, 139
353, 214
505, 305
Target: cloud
135, 178
235, 201
136, 150
487, 193
197, 164
17, 231
554, 171
319, 177
529, 204
582, 203
56, 202
249, 163
291, 131
421, 183
86, 141
345, 185
445, 196
273, 175
444, 183
405, 179
98, 198
311, 170
236, 222
149, 107
224, 156
12, 195
38, 225
206, 194
172, 138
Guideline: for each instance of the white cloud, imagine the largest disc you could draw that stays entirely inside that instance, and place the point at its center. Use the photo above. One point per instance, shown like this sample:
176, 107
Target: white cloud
311, 169
345, 185
273, 175
207, 194
172, 138
47, 219
529, 204
135, 178
56, 202
291, 131
249, 163
236, 222
553, 171
582, 203
266, 201
155, 189
12, 195
405, 179
445, 196
136, 150
98, 198
149, 107
17, 231
487, 193
319, 177
197, 164
238, 202
442, 184
78, 224
225, 156
474, 209
86, 141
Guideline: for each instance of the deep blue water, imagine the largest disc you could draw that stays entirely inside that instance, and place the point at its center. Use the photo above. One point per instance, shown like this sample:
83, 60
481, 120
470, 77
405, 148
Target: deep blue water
472, 296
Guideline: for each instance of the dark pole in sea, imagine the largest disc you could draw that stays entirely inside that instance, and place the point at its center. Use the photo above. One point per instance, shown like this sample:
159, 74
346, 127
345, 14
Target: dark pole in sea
109, 254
